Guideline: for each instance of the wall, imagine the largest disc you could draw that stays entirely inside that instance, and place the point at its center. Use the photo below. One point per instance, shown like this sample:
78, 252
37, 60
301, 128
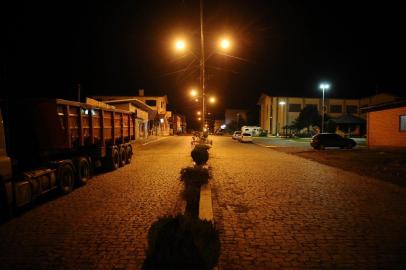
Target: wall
383, 128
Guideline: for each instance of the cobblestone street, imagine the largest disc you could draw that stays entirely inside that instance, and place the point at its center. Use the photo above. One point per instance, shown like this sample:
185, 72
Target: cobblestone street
273, 210
276, 210
105, 223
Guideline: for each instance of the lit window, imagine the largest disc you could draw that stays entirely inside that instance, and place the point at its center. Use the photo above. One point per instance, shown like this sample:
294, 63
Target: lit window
403, 123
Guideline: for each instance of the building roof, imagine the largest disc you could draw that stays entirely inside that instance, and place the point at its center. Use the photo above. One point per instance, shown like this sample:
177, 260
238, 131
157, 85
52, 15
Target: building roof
348, 118
137, 103
384, 106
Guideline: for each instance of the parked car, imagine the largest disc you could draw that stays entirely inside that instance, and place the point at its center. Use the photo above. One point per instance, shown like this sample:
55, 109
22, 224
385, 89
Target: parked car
246, 137
236, 135
323, 140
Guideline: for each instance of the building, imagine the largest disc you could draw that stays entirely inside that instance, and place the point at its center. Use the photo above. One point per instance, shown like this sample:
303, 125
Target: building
235, 115
158, 117
278, 112
177, 123
386, 124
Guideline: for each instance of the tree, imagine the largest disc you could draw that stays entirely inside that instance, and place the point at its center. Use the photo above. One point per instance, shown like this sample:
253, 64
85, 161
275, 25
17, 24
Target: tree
308, 116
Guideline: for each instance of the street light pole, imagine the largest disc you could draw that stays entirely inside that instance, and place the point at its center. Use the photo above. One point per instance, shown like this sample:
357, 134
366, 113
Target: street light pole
202, 68
323, 86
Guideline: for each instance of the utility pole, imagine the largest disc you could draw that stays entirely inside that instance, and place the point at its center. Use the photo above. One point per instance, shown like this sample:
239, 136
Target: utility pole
202, 67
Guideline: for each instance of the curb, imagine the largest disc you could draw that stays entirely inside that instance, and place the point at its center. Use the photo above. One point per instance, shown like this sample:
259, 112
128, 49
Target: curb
205, 203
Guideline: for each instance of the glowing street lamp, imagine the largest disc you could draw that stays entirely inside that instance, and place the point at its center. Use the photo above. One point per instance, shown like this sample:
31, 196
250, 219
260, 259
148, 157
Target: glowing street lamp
199, 118
323, 86
212, 100
199, 113
193, 93
225, 43
180, 45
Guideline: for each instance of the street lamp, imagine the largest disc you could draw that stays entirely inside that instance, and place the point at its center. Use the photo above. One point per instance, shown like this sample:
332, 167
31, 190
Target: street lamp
282, 103
212, 100
181, 45
193, 93
225, 43
323, 86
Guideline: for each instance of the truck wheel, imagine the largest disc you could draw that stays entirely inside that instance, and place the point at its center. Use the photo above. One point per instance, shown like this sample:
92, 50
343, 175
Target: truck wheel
129, 151
66, 179
123, 156
114, 159
84, 171
6, 210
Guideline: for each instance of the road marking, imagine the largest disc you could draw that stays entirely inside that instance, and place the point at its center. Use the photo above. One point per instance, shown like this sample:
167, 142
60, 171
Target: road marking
155, 140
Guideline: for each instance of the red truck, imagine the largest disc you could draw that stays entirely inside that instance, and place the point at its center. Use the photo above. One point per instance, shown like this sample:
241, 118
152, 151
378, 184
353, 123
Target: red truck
55, 144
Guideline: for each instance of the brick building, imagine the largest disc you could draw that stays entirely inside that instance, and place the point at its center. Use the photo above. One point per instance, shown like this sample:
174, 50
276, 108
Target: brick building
386, 124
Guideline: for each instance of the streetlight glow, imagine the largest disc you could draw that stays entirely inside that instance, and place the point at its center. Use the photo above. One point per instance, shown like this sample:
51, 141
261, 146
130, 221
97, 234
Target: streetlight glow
324, 86
225, 43
212, 100
180, 45
193, 93
282, 103
199, 113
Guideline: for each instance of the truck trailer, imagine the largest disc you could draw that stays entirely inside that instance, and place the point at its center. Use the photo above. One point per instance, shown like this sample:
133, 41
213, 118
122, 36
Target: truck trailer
55, 144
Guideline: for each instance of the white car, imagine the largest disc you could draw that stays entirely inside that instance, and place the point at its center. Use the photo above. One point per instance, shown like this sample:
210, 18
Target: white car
236, 135
246, 137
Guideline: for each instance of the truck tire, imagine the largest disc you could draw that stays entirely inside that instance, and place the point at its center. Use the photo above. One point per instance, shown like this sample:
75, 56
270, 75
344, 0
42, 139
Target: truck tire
114, 159
123, 156
6, 210
66, 178
129, 151
84, 171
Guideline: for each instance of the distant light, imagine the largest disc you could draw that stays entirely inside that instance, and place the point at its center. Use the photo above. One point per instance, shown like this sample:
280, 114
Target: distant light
223, 126
162, 120
199, 113
199, 118
212, 100
282, 103
197, 100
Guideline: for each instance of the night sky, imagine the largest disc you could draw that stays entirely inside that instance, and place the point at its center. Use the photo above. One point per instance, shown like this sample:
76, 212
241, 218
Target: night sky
117, 47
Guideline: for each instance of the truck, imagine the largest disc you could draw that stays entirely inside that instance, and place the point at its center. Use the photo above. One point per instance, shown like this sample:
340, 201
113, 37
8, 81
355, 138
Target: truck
56, 144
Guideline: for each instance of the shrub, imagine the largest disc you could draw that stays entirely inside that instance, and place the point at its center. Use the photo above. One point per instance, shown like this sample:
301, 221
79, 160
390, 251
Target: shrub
182, 242
200, 154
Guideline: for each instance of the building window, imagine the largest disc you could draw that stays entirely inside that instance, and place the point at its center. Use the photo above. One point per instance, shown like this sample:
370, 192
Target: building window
403, 123
295, 108
315, 106
336, 108
352, 109
151, 102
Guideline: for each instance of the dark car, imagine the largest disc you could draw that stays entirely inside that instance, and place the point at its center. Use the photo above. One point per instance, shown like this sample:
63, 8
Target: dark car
322, 140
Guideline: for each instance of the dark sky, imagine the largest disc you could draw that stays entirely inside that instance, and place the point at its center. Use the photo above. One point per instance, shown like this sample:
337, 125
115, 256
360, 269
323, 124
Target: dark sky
117, 47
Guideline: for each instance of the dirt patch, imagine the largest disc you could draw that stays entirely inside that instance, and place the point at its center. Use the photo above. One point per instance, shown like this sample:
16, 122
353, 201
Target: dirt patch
387, 165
